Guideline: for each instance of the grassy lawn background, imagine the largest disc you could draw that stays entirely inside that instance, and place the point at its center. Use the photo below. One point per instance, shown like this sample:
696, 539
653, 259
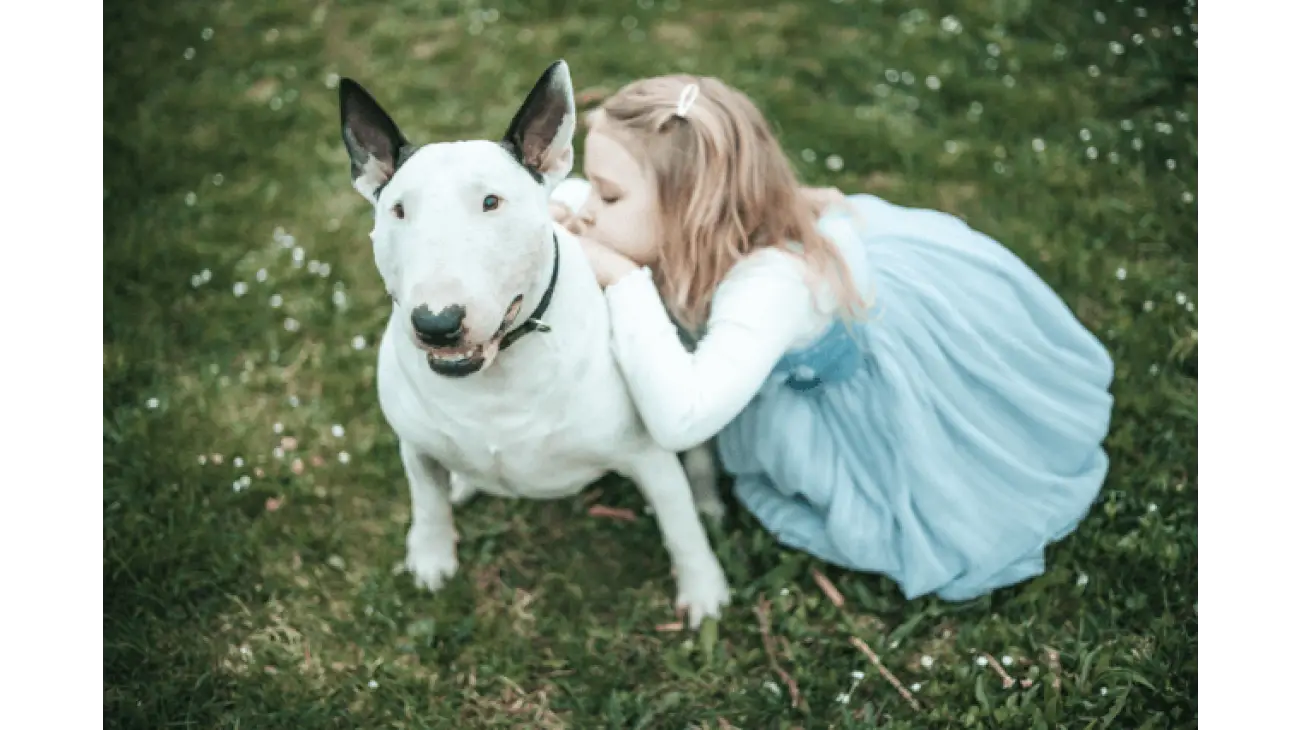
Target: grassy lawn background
254, 504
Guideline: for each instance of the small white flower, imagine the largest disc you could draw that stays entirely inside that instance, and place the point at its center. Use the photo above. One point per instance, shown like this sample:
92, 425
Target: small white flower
857, 675
927, 661
1121, 273
337, 430
358, 343
1082, 580
372, 684
1188, 197
291, 324
834, 163
916, 686
324, 270
982, 660
1148, 305
206, 34
1103, 691
770, 686
278, 427
277, 452
293, 401
240, 288
1152, 507
1154, 369
261, 275
151, 404
1006, 660
1085, 135
842, 698
933, 83
1181, 298
1038, 144
276, 301
344, 457
203, 459
239, 461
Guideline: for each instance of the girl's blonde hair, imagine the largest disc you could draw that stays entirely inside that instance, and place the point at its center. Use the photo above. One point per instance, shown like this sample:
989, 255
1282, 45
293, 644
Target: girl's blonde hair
725, 188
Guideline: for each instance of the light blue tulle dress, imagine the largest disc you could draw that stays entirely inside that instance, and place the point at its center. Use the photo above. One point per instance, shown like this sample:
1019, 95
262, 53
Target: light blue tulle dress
948, 438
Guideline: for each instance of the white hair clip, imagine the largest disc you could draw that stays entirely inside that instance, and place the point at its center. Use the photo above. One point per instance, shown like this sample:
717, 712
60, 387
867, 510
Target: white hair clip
689, 94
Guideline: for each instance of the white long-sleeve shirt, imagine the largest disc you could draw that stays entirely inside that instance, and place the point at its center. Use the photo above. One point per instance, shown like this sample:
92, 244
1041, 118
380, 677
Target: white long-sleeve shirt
762, 309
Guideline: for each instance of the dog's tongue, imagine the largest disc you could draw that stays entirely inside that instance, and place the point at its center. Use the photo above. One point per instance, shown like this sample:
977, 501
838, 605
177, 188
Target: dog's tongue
490, 351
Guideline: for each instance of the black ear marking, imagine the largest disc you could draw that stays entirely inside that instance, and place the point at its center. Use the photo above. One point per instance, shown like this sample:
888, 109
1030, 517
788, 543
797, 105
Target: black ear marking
541, 133
375, 145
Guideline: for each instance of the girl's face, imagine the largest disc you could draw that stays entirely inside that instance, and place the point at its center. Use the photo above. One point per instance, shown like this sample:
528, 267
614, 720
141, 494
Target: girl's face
622, 210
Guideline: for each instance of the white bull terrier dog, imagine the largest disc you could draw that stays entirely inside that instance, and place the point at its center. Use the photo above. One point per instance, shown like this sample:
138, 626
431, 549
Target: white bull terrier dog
481, 398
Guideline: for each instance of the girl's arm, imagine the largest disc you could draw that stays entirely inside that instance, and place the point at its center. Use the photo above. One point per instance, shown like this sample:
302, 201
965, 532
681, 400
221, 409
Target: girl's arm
761, 309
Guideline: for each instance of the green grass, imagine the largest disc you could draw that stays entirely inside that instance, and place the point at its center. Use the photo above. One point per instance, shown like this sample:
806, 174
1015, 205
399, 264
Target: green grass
221, 612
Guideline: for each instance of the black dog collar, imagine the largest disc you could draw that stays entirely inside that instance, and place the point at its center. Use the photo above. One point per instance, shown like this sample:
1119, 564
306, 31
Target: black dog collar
534, 321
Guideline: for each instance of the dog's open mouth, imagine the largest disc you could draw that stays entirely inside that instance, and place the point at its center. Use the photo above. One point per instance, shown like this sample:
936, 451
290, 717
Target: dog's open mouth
469, 359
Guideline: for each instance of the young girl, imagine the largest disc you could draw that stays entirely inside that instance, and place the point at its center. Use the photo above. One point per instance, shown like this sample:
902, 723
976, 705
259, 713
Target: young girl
893, 391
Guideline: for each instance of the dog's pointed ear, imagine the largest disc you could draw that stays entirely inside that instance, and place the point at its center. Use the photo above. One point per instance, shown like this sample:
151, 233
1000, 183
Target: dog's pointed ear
375, 145
541, 134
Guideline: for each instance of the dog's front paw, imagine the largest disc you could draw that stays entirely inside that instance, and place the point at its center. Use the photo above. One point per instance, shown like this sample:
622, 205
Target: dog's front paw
430, 558
702, 591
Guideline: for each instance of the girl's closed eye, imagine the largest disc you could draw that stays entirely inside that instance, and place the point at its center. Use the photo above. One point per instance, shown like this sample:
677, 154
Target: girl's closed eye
609, 200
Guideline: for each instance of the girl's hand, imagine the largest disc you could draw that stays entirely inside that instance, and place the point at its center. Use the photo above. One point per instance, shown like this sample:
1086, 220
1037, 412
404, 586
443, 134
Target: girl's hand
608, 265
822, 198
561, 214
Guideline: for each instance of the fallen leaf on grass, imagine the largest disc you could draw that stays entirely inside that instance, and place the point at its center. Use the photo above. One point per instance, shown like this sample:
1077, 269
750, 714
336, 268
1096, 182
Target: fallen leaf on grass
617, 513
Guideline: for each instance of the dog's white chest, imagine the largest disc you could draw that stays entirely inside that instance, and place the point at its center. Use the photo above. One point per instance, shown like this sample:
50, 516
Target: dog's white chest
545, 439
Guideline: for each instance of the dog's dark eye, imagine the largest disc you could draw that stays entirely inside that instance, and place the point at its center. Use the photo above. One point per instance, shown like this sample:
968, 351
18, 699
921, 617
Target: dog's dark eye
491, 202
399, 211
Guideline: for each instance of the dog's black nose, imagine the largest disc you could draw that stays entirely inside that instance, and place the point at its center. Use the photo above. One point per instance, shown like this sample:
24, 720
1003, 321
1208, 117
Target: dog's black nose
438, 330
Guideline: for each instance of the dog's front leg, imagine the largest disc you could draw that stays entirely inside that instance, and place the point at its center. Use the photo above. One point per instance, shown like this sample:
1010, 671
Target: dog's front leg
431, 542
701, 585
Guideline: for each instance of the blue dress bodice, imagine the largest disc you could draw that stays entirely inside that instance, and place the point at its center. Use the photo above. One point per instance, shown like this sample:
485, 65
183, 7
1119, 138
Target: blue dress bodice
832, 358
